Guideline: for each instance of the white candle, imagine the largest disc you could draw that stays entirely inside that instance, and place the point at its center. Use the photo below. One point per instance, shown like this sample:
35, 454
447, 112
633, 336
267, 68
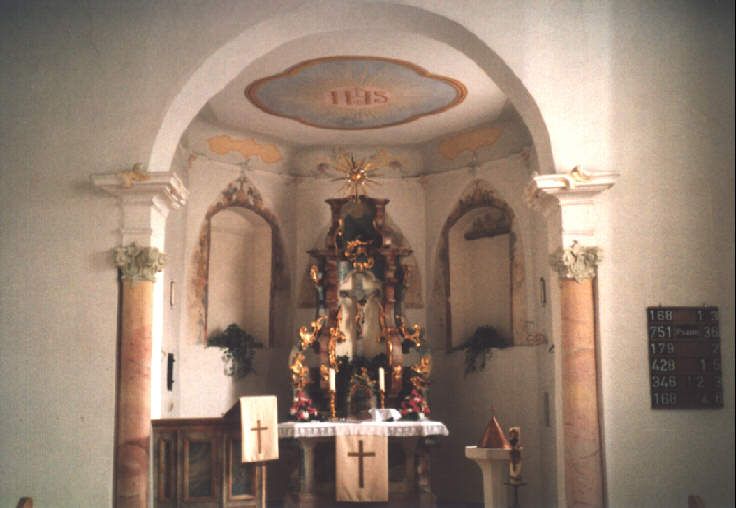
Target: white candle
332, 379
381, 379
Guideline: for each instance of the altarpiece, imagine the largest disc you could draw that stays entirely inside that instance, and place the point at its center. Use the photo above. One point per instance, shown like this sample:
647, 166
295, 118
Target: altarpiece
359, 368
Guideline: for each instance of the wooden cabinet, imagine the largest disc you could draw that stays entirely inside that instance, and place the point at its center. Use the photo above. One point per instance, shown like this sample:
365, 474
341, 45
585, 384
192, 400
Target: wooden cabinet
196, 464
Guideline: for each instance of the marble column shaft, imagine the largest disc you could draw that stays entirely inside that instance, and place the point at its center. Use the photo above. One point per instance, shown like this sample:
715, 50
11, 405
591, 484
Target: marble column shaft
134, 395
583, 472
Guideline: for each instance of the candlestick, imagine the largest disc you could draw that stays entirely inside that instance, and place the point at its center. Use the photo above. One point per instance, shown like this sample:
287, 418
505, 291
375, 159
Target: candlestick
381, 379
333, 416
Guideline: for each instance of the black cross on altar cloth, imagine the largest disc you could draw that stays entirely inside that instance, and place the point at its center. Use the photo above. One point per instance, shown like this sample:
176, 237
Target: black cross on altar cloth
258, 429
360, 456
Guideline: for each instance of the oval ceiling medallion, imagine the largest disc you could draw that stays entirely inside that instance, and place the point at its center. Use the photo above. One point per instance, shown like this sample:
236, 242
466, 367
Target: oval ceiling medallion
355, 92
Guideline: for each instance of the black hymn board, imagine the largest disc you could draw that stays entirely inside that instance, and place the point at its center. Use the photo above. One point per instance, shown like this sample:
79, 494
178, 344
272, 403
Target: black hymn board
684, 357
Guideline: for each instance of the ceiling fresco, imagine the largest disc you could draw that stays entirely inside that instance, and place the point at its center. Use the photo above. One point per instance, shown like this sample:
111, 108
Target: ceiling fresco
353, 93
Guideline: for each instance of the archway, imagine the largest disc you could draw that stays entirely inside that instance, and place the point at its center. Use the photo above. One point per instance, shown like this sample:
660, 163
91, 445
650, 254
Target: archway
318, 17
330, 16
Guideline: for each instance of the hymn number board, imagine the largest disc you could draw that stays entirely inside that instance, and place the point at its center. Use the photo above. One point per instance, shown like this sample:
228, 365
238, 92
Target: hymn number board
684, 357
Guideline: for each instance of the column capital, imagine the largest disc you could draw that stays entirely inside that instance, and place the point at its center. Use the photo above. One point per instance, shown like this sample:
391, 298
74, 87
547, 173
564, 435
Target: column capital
139, 263
145, 200
576, 262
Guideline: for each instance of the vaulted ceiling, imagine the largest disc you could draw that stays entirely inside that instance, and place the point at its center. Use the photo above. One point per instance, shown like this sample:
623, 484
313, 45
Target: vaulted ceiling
362, 89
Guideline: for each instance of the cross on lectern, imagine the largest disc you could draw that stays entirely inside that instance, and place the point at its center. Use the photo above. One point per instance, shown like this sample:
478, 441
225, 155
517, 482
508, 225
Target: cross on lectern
360, 456
258, 429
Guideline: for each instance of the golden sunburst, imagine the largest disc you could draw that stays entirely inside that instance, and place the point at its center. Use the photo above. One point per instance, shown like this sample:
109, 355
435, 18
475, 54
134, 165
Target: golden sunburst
356, 173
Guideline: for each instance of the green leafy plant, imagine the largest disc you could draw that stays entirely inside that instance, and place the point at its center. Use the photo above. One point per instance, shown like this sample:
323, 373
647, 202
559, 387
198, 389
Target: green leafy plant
239, 350
478, 348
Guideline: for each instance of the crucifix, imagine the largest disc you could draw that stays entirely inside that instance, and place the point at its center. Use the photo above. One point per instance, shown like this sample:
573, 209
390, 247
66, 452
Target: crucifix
258, 429
360, 456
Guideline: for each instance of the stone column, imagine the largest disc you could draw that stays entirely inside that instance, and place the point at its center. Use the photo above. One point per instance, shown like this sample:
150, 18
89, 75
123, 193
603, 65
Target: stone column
568, 201
143, 201
138, 267
582, 454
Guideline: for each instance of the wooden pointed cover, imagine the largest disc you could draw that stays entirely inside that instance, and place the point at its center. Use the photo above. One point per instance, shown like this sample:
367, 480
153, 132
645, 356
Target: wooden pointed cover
493, 437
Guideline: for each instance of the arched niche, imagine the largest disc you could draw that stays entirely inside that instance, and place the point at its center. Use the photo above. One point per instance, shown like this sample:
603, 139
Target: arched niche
484, 216
239, 271
479, 267
238, 210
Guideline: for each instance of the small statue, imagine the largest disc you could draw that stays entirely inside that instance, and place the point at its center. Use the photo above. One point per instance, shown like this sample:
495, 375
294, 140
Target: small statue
136, 174
515, 464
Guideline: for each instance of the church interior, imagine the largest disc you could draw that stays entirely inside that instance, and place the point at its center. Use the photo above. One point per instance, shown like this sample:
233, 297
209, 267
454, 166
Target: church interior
442, 213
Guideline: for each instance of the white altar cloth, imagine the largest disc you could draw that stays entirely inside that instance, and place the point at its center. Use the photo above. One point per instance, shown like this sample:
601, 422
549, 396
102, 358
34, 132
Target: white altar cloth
362, 428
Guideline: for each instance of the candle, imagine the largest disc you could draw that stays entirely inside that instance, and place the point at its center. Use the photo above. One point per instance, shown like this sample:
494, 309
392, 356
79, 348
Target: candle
381, 379
332, 379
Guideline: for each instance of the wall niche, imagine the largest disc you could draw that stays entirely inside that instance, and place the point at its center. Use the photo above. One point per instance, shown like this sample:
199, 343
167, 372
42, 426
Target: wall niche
479, 253
481, 268
238, 271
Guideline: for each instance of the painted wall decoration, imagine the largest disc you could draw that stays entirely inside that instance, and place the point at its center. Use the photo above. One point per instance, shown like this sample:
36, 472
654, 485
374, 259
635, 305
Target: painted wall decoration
239, 193
355, 92
470, 141
247, 148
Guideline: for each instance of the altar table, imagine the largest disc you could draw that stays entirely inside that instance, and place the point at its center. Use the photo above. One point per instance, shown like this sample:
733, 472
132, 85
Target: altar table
409, 442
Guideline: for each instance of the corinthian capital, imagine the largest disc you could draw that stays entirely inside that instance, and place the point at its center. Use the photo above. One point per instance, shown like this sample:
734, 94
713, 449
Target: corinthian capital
139, 263
576, 262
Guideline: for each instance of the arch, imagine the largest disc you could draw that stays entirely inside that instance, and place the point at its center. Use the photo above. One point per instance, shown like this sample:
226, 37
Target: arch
478, 194
238, 193
330, 16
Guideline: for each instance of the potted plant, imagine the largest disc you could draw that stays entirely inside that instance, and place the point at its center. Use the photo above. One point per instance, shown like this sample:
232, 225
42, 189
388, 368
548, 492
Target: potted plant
478, 347
239, 350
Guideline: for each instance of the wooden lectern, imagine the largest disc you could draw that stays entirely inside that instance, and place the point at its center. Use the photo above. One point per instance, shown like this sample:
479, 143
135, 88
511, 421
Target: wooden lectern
198, 462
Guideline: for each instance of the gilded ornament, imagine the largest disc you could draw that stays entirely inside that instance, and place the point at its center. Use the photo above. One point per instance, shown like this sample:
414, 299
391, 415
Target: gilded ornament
308, 337
139, 263
412, 333
576, 262
356, 173
299, 372
336, 336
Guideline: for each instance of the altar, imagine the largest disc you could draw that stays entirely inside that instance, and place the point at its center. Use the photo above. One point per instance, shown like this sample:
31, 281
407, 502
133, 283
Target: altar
409, 461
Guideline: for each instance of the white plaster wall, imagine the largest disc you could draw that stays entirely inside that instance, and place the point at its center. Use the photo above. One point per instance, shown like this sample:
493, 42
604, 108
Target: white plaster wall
515, 379
480, 282
668, 238
646, 90
239, 286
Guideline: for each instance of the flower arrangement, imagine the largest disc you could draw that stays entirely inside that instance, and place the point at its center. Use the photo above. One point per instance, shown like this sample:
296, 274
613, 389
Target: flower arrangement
302, 409
414, 405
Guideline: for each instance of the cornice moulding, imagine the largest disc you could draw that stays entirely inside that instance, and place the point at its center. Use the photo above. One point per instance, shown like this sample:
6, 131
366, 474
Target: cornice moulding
158, 188
576, 186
